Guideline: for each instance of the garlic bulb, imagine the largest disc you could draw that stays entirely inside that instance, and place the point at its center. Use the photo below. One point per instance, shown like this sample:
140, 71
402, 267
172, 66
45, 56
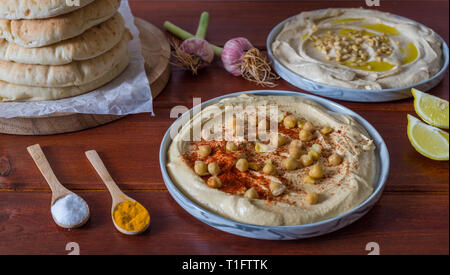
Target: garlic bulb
200, 48
232, 53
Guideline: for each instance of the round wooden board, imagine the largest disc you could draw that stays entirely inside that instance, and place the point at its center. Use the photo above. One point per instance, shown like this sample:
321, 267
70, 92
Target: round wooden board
156, 53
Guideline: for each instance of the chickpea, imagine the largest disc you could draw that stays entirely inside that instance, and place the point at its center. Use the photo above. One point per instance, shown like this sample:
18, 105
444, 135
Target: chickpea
317, 148
279, 140
305, 135
306, 160
314, 154
269, 168
294, 152
253, 166
335, 159
231, 146
308, 126
300, 124
276, 188
213, 169
261, 148
204, 150
295, 143
290, 122
290, 164
316, 171
251, 193
326, 130
312, 198
200, 168
309, 180
214, 182
242, 165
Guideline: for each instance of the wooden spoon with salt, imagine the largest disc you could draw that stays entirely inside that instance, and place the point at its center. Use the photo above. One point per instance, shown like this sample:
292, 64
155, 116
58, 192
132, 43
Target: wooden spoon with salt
117, 195
58, 190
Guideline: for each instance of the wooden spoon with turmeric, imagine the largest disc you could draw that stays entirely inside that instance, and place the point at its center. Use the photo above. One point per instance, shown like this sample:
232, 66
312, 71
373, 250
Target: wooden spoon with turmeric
128, 215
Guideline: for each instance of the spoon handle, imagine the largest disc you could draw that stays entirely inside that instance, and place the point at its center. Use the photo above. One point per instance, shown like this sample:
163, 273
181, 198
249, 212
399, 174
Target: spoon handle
46, 170
99, 166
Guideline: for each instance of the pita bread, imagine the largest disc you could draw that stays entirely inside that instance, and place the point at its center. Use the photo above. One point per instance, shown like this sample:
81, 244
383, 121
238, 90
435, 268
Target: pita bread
42, 32
92, 43
72, 74
32, 9
12, 92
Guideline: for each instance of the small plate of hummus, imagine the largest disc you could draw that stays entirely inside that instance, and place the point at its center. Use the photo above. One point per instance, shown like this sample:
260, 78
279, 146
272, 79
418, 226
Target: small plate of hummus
357, 54
274, 164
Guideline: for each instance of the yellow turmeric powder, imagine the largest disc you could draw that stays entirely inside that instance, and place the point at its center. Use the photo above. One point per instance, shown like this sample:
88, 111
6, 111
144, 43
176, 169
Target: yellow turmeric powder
131, 216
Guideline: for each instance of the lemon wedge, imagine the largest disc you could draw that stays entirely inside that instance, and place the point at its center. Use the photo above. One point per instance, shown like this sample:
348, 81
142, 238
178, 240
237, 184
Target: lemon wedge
433, 110
430, 141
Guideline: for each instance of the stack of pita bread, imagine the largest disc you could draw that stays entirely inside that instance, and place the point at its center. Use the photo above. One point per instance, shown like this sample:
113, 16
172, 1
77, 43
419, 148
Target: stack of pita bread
51, 50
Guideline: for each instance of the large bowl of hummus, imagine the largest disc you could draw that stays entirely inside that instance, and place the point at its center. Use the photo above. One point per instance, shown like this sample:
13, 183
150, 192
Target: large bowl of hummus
356, 54
274, 164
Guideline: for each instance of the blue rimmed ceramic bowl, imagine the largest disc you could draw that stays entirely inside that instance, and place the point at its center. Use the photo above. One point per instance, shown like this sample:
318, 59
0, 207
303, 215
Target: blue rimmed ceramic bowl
355, 95
282, 232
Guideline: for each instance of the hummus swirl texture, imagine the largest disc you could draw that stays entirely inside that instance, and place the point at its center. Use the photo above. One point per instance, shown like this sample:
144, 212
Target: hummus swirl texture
326, 46
342, 187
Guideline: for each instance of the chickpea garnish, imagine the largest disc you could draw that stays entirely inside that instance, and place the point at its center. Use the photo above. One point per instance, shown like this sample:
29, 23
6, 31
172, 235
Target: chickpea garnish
309, 180
276, 188
251, 193
214, 182
316, 172
312, 198
200, 168
253, 166
314, 154
269, 168
213, 169
278, 140
290, 121
204, 150
317, 148
231, 146
296, 144
290, 164
326, 130
294, 152
335, 159
306, 160
261, 148
242, 165
295, 148
305, 135
308, 126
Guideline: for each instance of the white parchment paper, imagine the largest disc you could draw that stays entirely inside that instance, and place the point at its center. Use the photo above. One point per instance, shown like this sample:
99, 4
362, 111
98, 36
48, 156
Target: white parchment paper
127, 94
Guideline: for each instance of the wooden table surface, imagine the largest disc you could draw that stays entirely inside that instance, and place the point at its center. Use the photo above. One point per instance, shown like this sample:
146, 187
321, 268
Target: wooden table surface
412, 216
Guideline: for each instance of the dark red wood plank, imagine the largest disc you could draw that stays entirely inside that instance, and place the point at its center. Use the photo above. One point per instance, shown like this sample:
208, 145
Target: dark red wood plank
255, 19
411, 218
400, 223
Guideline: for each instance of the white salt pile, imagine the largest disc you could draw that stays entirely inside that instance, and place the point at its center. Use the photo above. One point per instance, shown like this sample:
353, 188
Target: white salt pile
70, 210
